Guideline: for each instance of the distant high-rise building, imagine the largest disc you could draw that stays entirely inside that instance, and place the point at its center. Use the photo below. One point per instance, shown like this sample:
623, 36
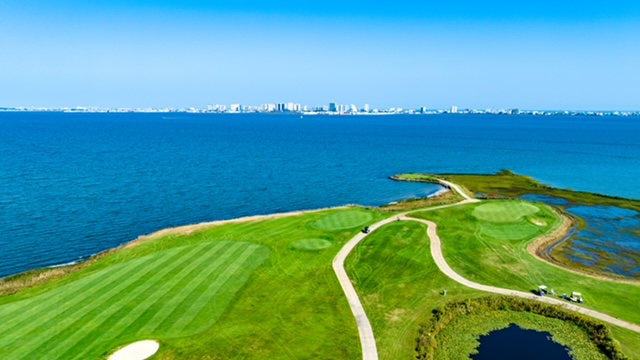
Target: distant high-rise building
354, 109
366, 108
454, 109
333, 107
236, 108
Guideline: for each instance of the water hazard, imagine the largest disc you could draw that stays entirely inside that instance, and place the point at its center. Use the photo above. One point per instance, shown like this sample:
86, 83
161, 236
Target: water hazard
517, 343
609, 240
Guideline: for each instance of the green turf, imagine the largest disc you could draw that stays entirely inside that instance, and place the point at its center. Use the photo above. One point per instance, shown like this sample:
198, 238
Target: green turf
510, 231
629, 341
160, 295
343, 220
399, 285
311, 244
238, 291
504, 211
508, 264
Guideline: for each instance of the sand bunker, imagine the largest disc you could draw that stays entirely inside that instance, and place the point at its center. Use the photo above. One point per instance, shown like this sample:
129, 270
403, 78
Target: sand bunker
137, 351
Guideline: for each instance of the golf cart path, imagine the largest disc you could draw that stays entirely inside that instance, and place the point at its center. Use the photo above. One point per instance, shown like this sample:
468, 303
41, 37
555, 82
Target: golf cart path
436, 252
365, 331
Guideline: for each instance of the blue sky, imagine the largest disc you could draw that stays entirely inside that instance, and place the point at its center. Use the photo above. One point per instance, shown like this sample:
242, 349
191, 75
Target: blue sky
491, 54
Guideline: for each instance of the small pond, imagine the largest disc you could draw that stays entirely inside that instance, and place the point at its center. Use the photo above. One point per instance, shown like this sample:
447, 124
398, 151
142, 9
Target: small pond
608, 242
517, 343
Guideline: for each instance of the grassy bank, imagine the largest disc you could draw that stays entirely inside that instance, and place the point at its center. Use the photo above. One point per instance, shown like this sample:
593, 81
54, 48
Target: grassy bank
454, 329
448, 197
254, 290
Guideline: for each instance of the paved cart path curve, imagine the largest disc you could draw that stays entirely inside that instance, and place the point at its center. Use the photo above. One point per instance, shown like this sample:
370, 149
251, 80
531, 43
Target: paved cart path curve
365, 331
436, 252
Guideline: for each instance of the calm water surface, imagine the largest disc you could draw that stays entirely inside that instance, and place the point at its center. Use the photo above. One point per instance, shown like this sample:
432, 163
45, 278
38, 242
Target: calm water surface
516, 343
609, 241
75, 184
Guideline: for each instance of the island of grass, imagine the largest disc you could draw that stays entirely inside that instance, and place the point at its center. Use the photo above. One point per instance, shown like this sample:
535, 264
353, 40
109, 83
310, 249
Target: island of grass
264, 287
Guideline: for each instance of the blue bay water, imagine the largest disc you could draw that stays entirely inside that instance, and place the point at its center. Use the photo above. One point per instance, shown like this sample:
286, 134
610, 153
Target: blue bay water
72, 185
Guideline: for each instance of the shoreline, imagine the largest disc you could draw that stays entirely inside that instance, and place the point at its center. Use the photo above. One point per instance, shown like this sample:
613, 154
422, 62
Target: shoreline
176, 230
15, 283
190, 228
540, 249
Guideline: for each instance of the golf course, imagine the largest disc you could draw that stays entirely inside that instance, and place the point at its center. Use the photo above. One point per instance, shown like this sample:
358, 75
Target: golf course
265, 288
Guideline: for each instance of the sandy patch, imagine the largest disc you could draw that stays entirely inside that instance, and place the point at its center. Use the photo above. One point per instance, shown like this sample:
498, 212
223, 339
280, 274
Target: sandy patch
139, 350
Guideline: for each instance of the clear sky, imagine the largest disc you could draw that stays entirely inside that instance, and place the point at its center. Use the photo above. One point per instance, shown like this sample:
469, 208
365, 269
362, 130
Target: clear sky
540, 54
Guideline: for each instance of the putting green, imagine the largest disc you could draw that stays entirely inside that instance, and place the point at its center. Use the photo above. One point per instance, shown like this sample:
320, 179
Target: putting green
172, 293
509, 231
504, 211
311, 244
343, 220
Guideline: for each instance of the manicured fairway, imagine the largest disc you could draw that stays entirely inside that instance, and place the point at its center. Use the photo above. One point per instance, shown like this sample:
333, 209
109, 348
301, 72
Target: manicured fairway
171, 293
511, 231
234, 291
399, 285
504, 211
343, 220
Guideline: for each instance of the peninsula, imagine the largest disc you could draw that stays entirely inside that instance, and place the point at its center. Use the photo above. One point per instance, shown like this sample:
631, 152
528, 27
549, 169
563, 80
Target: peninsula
348, 282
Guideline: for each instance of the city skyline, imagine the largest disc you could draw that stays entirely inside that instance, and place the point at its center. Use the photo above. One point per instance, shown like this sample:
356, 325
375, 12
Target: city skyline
573, 56
332, 108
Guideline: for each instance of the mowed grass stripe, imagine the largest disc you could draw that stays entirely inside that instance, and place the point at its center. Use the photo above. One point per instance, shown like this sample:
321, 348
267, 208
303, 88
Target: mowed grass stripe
221, 301
121, 322
65, 297
46, 334
67, 304
112, 326
206, 292
179, 291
